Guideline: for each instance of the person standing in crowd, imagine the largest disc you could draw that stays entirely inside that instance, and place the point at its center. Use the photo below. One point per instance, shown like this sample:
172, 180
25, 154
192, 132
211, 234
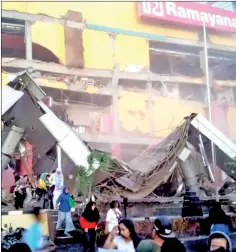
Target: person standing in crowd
17, 176
64, 213
57, 179
51, 177
47, 182
41, 188
88, 222
48, 196
20, 192
29, 192
162, 229
219, 240
33, 236
126, 241
113, 216
219, 221
172, 245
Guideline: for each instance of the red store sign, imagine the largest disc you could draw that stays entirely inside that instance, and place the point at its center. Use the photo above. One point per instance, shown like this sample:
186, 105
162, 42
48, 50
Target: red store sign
189, 13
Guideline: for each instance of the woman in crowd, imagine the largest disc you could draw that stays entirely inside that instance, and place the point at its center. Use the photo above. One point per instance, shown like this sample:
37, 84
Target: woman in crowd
57, 179
48, 197
29, 191
126, 241
42, 187
113, 216
20, 192
64, 213
88, 222
219, 221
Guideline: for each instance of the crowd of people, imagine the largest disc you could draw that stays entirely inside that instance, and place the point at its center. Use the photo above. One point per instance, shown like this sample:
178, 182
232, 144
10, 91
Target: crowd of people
120, 232
45, 189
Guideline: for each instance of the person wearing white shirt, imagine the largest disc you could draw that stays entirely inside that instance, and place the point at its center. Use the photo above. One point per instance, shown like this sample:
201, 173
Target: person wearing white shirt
126, 240
57, 179
113, 216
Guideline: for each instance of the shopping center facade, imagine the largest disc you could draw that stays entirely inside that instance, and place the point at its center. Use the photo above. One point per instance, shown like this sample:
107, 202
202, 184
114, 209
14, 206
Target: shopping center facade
126, 73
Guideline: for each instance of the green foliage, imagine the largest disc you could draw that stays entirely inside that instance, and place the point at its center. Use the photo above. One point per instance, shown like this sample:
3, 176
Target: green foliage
232, 164
97, 161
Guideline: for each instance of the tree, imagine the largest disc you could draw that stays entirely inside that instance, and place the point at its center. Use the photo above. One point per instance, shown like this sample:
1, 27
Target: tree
231, 168
97, 161
232, 164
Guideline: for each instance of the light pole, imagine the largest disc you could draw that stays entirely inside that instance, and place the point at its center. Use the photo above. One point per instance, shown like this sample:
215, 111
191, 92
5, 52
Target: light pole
208, 93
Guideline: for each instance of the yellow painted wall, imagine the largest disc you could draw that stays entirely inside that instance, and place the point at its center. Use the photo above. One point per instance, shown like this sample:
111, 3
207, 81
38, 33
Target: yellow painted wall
97, 46
129, 50
167, 113
134, 115
50, 36
24, 221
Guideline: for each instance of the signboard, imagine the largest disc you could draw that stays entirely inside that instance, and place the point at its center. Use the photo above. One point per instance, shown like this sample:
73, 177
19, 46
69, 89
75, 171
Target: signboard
189, 13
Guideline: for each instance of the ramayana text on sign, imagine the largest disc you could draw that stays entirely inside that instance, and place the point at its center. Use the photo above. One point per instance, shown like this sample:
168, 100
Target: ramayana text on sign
189, 13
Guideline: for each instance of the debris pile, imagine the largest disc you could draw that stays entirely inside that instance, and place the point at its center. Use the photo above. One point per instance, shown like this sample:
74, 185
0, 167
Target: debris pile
29, 116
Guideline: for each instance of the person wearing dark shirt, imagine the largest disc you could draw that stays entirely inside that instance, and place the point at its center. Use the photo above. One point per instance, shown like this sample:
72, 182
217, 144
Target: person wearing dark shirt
219, 220
17, 176
162, 229
88, 222
17, 247
172, 245
20, 192
221, 250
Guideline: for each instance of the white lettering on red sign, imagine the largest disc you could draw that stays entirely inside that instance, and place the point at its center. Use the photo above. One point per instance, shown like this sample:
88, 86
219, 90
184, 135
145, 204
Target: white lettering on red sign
189, 13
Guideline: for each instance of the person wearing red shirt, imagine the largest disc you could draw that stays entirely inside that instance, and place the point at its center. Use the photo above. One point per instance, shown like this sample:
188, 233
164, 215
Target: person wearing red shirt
88, 222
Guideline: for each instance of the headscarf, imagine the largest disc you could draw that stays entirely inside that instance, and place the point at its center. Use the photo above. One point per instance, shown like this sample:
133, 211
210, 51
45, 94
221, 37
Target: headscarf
89, 214
64, 189
43, 176
57, 179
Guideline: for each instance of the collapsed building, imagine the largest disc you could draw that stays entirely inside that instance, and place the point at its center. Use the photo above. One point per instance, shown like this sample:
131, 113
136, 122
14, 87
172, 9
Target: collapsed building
163, 172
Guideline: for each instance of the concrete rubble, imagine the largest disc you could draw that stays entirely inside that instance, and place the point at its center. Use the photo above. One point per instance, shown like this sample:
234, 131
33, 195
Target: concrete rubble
163, 172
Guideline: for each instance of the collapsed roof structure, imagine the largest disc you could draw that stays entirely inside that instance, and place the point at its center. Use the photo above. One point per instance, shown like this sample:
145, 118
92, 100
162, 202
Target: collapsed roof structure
27, 118
159, 163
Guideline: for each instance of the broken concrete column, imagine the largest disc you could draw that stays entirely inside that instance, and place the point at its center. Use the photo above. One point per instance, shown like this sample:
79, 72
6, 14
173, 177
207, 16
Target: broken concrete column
189, 169
14, 136
187, 163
